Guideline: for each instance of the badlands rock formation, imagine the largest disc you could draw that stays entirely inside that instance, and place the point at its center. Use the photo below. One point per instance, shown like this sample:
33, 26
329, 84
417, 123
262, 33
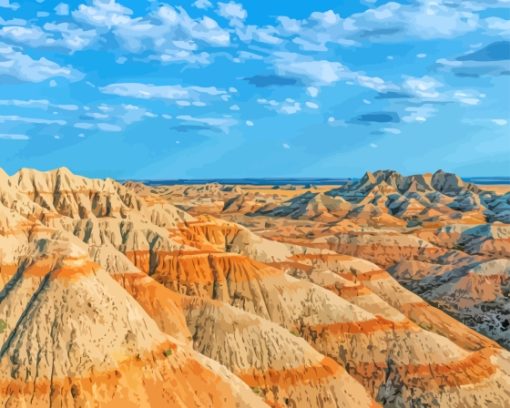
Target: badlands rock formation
228, 296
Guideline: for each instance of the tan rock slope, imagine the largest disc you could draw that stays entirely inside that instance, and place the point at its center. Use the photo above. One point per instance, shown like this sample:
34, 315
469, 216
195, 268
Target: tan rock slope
112, 294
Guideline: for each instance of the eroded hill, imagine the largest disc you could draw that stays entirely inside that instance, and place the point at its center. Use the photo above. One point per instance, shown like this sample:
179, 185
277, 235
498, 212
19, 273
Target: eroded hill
112, 294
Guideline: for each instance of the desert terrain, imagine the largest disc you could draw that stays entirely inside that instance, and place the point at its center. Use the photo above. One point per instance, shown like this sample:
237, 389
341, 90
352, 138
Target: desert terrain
388, 291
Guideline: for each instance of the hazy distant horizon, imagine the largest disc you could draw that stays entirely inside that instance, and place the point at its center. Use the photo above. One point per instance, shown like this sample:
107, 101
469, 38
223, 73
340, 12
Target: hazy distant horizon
280, 181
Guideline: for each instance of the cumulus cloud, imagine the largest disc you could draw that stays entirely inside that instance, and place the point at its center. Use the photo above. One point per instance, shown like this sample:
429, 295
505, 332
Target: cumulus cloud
103, 13
324, 72
234, 12
267, 35
425, 87
167, 33
62, 9
422, 19
7, 4
391, 21
429, 89
320, 72
419, 114
51, 35
16, 64
288, 107
202, 4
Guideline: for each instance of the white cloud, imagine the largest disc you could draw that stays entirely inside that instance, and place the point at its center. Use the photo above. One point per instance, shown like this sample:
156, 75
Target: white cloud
235, 108
425, 87
243, 56
392, 131
167, 32
30, 120
423, 19
312, 105
497, 25
70, 37
266, 35
421, 55
418, 114
315, 32
13, 136
317, 71
183, 96
234, 12
96, 115
324, 72
367, 102
312, 91
286, 146
82, 125
9, 5
249, 123
467, 97
37, 104
108, 127
374, 146
288, 107
103, 13
23, 67
331, 119
202, 4
62, 9
500, 122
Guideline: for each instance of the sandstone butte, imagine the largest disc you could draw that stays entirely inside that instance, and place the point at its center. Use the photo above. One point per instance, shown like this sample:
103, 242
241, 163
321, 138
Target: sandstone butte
390, 291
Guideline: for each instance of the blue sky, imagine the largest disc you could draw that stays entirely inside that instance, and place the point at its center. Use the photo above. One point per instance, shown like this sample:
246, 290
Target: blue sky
146, 89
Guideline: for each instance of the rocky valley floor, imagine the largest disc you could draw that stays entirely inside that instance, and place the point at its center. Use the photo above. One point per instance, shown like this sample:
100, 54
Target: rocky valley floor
389, 291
